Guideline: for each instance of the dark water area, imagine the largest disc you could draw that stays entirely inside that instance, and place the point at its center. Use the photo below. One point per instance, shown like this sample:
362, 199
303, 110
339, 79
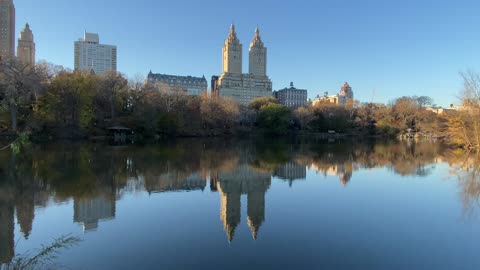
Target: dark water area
224, 204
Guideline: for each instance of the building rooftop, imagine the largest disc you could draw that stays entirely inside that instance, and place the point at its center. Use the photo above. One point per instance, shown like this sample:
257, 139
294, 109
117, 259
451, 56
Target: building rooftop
90, 37
158, 76
291, 88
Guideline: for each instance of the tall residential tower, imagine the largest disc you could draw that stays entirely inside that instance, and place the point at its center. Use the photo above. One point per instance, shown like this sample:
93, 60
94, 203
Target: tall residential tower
232, 53
26, 47
90, 55
243, 88
258, 56
7, 29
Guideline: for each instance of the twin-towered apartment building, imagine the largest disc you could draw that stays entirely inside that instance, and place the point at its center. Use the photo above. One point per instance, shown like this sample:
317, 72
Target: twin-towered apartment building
239, 86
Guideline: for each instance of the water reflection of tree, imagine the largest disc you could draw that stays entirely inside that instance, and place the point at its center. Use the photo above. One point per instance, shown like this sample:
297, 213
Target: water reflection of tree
466, 167
77, 171
92, 174
404, 159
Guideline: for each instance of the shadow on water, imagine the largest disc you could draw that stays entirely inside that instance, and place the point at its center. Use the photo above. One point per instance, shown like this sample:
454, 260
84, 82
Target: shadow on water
96, 176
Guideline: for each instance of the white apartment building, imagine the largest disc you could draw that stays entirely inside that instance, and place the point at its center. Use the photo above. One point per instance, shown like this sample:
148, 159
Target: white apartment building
91, 55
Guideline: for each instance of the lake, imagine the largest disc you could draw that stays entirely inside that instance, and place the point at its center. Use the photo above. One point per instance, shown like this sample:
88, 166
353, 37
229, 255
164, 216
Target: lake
234, 204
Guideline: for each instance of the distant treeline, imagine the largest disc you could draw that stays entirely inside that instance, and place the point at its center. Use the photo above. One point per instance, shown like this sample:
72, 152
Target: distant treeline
48, 101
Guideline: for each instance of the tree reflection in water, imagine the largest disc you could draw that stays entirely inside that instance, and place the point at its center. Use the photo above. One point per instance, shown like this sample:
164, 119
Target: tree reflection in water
466, 167
95, 177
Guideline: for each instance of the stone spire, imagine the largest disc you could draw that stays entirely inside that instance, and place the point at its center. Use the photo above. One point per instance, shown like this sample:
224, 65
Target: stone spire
26, 34
232, 36
257, 40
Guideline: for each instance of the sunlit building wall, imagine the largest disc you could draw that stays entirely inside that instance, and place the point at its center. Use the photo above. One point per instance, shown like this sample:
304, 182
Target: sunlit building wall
194, 86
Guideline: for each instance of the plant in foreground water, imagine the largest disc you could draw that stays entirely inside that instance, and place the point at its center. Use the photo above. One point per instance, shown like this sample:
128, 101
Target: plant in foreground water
45, 258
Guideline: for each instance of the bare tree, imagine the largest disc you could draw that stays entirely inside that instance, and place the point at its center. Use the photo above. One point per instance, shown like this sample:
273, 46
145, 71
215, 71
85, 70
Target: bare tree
18, 82
424, 101
463, 126
471, 88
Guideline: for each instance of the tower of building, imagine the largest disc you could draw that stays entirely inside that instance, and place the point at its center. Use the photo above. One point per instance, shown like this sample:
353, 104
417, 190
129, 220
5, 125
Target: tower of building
255, 210
346, 91
25, 208
26, 46
232, 53
7, 29
257, 56
230, 208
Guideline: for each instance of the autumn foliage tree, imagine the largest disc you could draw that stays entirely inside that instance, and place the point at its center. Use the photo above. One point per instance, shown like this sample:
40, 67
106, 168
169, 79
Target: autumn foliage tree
68, 101
463, 126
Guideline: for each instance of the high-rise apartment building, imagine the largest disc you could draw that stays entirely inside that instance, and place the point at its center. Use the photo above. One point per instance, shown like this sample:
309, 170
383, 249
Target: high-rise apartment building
26, 46
232, 83
7, 29
90, 55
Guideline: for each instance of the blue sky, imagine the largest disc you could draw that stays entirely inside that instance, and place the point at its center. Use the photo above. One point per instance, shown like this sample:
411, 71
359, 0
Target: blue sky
383, 48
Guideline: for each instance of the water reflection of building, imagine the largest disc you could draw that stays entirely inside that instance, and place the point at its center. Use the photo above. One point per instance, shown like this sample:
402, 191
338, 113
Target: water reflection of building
25, 213
176, 181
90, 211
6, 231
343, 171
291, 171
231, 185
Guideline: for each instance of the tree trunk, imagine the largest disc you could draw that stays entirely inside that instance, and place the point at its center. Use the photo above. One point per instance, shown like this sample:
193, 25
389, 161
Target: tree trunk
13, 115
112, 108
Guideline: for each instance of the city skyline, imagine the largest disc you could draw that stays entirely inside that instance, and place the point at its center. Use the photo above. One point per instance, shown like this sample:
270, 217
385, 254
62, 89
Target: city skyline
383, 51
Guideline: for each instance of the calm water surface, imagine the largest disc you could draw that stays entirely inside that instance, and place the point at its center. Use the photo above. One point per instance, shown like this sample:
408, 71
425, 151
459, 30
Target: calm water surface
214, 204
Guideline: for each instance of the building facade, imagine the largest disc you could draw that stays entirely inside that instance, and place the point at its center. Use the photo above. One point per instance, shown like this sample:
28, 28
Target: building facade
292, 97
231, 186
7, 29
90, 55
291, 171
343, 98
232, 83
194, 86
214, 86
89, 211
26, 46
346, 92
